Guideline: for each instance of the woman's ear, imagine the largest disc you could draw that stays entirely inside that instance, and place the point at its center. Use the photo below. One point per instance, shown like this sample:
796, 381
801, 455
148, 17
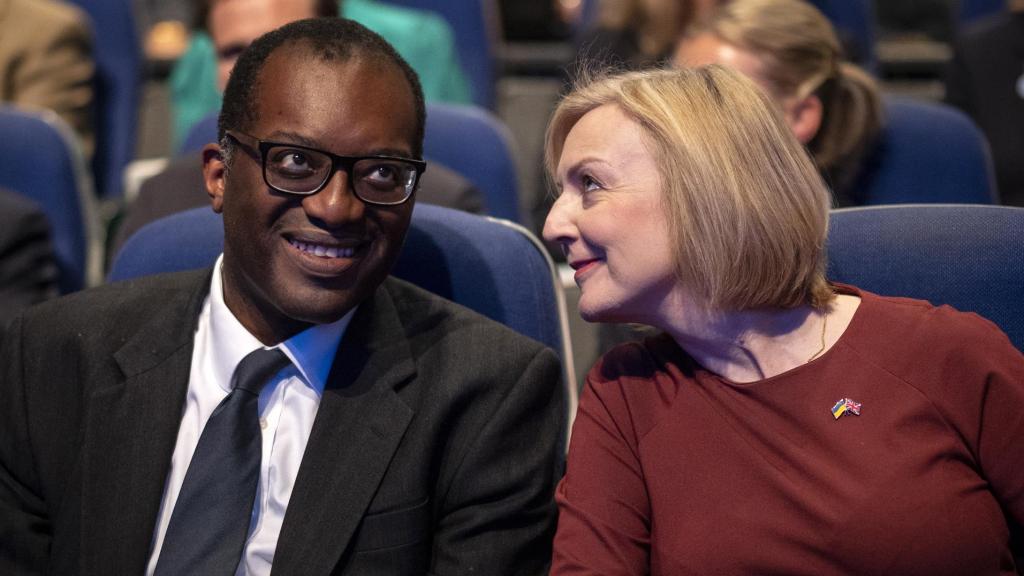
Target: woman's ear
804, 117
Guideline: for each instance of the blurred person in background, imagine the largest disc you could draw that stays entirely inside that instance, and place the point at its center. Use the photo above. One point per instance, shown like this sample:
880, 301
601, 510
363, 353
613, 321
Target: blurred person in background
46, 62
985, 79
638, 33
28, 269
232, 26
790, 49
423, 38
779, 423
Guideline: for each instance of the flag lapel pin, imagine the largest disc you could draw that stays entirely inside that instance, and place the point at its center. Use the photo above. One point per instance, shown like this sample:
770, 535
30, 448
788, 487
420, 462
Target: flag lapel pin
845, 406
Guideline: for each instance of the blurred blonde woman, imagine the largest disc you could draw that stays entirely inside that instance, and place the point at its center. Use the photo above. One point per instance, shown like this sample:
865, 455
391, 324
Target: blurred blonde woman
791, 50
779, 423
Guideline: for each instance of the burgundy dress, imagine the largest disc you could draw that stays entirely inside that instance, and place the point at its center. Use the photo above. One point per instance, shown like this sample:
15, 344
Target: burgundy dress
674, 470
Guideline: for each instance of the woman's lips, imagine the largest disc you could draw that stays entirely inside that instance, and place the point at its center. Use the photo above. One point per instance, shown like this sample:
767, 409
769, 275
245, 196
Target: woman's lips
583, 266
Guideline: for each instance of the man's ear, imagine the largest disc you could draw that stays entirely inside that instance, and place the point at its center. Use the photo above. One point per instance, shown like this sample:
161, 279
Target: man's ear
214, 172
804, 117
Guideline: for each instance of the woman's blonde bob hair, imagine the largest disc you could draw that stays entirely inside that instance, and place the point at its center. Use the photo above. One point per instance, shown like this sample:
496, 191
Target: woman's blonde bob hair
745, 204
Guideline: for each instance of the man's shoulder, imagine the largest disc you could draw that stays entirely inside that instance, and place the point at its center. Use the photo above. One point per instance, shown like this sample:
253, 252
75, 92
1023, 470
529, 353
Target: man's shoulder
116, 308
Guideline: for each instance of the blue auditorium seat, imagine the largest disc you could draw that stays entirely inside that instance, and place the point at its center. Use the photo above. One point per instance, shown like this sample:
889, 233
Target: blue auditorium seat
927, 153
118, 84
967, 256
42, 161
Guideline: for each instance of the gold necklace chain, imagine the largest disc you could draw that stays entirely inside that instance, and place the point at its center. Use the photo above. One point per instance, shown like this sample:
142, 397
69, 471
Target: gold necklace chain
824, 323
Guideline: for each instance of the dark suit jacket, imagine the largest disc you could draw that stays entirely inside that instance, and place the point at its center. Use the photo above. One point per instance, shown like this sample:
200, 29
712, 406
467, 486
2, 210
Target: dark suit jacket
982, 78
28, 268
180, 187
434, 450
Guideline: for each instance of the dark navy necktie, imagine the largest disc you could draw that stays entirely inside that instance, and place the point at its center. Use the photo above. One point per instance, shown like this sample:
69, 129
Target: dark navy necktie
211, 518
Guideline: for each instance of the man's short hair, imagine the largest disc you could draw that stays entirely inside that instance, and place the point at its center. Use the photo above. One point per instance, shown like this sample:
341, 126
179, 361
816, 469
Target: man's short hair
329, 39
747, 209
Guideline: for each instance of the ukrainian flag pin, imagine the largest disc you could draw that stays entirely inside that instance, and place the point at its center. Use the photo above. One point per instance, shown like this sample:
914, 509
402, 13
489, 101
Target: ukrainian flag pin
845, 406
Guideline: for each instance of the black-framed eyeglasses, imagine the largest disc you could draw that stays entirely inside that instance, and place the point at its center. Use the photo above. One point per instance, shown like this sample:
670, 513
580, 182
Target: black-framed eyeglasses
295, 169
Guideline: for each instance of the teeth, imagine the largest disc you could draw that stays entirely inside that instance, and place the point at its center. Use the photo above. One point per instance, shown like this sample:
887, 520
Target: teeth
323, 251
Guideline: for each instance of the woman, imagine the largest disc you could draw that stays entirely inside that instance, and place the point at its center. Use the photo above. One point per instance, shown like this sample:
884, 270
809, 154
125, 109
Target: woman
779, 424
791, 50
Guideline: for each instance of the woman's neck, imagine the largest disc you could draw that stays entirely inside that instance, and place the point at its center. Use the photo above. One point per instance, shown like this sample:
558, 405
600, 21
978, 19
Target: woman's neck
752, 345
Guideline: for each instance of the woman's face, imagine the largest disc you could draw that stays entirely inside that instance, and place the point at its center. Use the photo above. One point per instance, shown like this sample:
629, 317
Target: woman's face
610, 220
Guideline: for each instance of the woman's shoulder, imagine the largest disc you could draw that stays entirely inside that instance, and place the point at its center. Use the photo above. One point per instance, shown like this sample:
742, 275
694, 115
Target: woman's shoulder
936, 348
640, 379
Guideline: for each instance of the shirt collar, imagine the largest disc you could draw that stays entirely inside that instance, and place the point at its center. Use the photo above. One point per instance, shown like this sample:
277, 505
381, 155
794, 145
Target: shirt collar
310, 351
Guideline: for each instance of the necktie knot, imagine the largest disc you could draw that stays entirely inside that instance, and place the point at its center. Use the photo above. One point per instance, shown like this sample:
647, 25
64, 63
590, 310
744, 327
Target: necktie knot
257, 367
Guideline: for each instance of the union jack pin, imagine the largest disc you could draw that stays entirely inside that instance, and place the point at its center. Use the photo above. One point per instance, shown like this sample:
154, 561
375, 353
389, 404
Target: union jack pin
845, 406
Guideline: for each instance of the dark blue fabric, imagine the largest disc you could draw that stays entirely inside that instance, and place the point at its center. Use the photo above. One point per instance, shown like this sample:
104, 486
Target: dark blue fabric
39, 165
930, 153
117, 87
969, 257
211, 518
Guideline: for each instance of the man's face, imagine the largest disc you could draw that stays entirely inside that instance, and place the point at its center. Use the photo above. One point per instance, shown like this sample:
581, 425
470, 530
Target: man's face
274, 280
234, 24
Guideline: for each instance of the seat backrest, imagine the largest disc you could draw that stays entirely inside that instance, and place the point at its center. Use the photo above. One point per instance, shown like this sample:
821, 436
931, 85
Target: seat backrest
476, 144
467, 139
854, 20
117, 86
967, 256
477, 28
494, 267
927, 153
42, 161
970, 10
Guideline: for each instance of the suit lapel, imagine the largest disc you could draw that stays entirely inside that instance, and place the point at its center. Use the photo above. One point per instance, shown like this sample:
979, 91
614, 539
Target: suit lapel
358, 427
130, 432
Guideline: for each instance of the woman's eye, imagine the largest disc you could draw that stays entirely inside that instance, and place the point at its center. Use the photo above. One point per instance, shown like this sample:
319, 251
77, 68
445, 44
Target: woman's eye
589, 183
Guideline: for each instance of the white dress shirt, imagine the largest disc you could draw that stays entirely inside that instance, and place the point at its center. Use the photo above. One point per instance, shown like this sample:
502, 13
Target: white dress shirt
287, 406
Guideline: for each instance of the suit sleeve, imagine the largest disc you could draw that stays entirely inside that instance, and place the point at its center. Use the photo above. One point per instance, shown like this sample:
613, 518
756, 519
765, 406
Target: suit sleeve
498, 517
24, 527
604, 510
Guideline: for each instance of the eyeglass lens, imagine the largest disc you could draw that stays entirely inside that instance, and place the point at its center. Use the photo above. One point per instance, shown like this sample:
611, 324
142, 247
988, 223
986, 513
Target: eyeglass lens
302, 171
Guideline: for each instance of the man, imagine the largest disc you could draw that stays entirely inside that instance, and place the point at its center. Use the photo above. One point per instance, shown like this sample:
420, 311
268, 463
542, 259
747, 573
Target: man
46, 62
233, 25
405, 435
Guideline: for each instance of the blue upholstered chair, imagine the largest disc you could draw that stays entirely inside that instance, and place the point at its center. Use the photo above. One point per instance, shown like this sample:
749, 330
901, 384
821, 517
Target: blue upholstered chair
476, 144
42, 161
927, 153
118, 84
494, 267
467, 139
854, 20
477, 28
967, 256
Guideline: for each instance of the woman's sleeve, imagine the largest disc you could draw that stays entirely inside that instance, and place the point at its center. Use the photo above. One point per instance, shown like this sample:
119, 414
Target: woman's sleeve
604, 510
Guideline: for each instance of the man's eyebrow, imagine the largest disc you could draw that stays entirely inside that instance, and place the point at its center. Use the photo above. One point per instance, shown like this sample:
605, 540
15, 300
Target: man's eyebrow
286, 137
